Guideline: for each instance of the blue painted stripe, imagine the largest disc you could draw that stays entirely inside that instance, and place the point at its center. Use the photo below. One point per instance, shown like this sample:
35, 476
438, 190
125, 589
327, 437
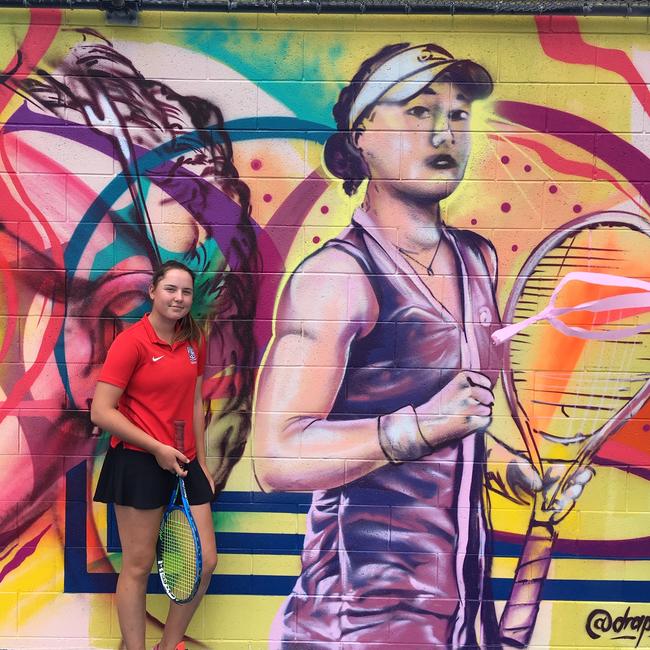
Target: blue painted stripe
77, 579
263, 543
290, 544
625, 591
262, 498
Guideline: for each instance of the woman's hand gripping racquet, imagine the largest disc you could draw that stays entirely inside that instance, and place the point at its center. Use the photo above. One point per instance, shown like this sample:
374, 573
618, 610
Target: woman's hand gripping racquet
575, 370
178, 550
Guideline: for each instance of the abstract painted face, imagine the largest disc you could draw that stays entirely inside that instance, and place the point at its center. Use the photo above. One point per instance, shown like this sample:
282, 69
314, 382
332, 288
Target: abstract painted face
145, 174
422, 146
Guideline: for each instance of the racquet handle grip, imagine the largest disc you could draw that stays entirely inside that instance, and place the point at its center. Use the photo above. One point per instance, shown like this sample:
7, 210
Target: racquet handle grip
518, 618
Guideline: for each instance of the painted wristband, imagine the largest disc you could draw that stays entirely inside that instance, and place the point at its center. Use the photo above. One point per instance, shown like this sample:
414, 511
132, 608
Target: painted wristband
400, 437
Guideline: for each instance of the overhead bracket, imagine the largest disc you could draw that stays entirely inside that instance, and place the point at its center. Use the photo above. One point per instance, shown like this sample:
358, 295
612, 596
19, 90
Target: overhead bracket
121, 11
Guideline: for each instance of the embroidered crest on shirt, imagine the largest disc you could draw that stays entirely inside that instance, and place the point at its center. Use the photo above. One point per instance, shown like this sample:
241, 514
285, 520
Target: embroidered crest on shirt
191, 354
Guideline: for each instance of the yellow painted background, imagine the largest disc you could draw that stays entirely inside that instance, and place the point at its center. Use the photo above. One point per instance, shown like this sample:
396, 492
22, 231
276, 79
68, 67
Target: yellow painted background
248, 64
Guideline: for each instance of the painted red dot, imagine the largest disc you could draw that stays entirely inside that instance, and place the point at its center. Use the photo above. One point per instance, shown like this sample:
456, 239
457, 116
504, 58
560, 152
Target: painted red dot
505, 159
316, 239
552, 189
256, 164
527, 168
267, 198
577, 208
514, 248
505, 207
646, 427
474, 222
324, 209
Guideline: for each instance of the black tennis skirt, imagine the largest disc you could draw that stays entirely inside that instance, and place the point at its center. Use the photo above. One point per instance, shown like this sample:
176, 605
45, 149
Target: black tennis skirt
134, 478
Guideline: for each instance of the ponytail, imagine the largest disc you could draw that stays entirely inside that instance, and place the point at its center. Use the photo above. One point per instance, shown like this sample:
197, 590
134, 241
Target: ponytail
188, 330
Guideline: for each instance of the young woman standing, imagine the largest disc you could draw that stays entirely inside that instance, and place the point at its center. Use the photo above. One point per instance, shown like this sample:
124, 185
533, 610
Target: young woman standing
152, 377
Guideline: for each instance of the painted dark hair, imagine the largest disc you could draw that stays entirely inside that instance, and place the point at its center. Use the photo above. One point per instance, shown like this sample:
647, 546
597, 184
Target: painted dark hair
342, 157
221, 253
188, 329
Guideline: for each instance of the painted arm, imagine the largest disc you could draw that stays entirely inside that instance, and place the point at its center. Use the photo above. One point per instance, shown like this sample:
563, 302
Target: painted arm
320, 313
295, 447
104, 413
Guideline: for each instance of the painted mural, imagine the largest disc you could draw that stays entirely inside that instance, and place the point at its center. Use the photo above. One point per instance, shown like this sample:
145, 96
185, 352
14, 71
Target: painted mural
422, 246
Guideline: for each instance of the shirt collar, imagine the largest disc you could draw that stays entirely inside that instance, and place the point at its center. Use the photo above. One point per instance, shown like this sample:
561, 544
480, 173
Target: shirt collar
363, 219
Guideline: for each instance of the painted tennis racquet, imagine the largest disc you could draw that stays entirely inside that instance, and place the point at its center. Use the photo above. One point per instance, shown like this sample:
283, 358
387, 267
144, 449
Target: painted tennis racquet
575, 369
178, 550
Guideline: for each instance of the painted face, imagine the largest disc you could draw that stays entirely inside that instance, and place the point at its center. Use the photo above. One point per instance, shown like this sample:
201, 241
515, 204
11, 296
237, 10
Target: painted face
172, 296
86, 283
421, 146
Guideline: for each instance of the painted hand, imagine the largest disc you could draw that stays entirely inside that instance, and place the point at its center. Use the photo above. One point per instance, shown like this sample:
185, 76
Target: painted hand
560, 496
523, 479
554, 497
462, 407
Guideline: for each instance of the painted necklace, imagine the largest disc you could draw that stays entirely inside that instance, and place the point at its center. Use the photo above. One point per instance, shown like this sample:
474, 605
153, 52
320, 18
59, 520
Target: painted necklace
427, 267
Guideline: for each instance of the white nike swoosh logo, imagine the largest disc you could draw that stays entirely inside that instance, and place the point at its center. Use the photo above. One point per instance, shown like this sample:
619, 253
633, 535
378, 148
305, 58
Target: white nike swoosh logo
157, 358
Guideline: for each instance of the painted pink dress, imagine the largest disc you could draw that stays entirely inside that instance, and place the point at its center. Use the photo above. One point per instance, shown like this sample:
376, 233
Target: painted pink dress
400, 557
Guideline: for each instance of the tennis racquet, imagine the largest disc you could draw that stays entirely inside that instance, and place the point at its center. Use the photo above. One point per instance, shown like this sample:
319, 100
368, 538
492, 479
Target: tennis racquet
575, 369
178, 549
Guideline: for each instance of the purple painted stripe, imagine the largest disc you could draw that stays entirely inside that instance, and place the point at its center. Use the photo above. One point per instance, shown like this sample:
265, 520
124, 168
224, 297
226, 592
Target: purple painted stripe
618, 549
624, 157
637, 470
7, 552
220, 209
23, 553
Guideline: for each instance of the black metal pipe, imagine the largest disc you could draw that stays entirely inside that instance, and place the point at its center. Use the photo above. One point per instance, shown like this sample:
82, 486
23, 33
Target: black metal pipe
521, 7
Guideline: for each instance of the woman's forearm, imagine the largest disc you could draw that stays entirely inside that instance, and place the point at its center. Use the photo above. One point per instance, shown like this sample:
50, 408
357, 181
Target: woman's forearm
111, 420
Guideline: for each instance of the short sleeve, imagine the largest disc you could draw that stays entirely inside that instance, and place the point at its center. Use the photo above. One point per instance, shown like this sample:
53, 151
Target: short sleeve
121, 362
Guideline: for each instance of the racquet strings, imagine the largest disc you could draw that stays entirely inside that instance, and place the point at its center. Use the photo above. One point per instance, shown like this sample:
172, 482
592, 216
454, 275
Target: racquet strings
568, 388
178, 554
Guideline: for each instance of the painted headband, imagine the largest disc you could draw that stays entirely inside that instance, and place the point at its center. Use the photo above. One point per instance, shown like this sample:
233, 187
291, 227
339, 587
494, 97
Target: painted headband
418, 66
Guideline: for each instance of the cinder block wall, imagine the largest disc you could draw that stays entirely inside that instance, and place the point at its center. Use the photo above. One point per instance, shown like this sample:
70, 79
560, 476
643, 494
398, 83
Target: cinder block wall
106, 164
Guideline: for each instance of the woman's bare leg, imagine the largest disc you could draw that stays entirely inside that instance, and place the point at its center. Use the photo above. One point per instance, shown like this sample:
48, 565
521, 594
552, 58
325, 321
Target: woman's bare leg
179, 616
138, 532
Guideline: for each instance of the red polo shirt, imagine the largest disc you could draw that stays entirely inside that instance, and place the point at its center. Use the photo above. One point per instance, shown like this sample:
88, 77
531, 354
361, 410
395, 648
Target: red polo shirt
159, 381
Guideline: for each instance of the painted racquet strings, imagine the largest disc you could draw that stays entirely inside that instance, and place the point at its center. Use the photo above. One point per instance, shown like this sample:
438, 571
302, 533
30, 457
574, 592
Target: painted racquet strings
567, 386
577, 371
